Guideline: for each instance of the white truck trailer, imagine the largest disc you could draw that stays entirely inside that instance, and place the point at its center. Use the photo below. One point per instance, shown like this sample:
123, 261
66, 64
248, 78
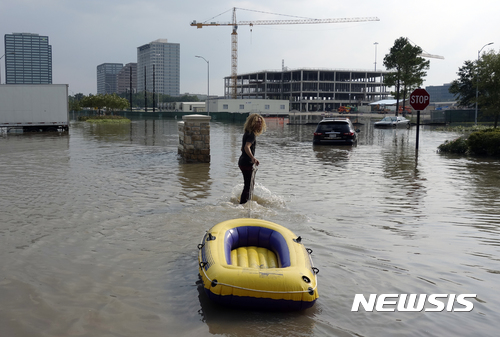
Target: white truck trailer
34, 107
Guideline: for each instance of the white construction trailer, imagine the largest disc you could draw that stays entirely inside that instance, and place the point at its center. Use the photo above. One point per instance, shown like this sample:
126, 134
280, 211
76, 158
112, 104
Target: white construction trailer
252, 105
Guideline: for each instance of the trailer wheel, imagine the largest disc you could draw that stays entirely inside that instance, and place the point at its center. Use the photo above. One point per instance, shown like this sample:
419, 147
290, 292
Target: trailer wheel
51, 129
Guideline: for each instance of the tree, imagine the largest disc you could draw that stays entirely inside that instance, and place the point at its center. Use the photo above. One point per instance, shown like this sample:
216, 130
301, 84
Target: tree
484, 76
93, 101
464, 88
74, 102
408, 67
114, 102
74, 105
138, 98
489, 84
111, 102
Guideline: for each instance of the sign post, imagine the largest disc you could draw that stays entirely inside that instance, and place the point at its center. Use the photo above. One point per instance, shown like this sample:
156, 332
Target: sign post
419, 100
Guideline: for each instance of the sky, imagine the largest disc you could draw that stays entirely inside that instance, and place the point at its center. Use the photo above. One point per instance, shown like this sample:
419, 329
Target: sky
86, 33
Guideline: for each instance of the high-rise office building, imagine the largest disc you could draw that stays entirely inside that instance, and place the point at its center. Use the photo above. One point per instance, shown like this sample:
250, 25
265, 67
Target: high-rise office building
107, 79
441, 93
127, 78
28, 59
161, 60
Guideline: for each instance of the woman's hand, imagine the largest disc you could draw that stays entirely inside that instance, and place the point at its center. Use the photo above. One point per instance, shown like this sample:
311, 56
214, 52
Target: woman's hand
249, 153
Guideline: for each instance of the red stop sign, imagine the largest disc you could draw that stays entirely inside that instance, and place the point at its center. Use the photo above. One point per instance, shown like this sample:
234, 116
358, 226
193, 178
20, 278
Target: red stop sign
419, 99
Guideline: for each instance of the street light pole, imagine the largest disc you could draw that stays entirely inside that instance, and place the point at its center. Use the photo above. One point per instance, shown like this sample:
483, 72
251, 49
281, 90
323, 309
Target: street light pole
208, 83
1, 57
477, 79
1, 68
376, 43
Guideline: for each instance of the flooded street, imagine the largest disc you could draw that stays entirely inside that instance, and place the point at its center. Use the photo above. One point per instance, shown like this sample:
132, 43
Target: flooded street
99, 230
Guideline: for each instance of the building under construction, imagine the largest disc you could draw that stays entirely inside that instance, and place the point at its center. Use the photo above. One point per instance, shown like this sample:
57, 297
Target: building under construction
310, 90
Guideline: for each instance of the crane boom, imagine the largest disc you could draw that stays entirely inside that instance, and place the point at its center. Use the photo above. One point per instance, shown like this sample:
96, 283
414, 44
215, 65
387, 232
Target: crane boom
432, 56
426, 54
284, 22
234, 35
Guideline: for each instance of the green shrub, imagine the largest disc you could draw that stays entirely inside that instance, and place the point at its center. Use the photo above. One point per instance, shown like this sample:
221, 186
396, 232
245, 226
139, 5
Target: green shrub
485, 142
458, 145
463, 128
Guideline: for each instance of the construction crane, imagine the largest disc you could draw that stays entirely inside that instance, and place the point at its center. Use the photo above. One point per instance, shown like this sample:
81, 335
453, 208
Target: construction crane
432, 56
234, 34
426, 54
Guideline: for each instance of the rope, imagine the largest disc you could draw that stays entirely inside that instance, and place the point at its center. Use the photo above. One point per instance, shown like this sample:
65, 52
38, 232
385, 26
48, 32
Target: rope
252, 184
252, 181
292, 16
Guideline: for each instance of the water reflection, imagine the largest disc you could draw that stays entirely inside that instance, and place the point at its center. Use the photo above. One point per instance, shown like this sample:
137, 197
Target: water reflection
154, 132
195, 181
141, 132
483, 195
230, 322
337, 155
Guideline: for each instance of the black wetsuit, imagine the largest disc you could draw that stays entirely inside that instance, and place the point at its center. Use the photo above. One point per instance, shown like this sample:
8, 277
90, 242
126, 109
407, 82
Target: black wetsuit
246, 165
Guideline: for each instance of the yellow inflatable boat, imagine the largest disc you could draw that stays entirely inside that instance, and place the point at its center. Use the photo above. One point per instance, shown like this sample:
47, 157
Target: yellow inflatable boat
257, 264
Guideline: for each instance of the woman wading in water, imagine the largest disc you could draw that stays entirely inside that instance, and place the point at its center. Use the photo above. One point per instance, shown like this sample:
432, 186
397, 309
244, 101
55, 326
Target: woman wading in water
254, 126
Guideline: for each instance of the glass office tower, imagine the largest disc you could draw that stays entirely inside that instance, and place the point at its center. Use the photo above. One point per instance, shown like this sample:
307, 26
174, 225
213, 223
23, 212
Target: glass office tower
28, 59
164, 58
107, 81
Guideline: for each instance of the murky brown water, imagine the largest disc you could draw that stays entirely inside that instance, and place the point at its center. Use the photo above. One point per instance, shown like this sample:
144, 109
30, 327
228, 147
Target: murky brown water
99, 228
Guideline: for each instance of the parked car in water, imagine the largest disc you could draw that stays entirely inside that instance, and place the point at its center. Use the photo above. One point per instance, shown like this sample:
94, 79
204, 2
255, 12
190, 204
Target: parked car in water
335, 131
393, 122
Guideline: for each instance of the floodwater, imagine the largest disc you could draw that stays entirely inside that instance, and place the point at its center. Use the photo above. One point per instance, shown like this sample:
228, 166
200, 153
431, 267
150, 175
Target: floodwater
99, 230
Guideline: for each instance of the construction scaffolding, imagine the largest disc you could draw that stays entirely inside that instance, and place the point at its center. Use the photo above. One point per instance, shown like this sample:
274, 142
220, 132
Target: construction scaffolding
310, 90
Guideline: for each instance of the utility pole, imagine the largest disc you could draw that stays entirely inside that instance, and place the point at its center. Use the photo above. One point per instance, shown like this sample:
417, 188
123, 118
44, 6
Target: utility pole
130, 93
145, 92
154, 88
477, 79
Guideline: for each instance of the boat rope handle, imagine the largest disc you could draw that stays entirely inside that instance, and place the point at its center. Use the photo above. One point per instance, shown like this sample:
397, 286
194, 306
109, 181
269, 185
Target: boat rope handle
309, 250
214, 283
200, 245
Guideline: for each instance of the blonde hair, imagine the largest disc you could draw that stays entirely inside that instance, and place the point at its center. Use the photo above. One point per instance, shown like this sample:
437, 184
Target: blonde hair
252, 126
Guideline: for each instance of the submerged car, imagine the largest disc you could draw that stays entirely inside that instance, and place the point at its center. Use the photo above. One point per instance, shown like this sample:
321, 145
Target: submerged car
335, 132
393, 122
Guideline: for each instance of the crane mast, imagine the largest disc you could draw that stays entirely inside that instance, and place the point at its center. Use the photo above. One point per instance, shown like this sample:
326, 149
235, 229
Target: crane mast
234, 56
234, 35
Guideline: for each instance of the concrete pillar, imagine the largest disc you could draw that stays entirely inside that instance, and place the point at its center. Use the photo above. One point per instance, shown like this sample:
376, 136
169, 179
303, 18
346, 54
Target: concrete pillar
194, 138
